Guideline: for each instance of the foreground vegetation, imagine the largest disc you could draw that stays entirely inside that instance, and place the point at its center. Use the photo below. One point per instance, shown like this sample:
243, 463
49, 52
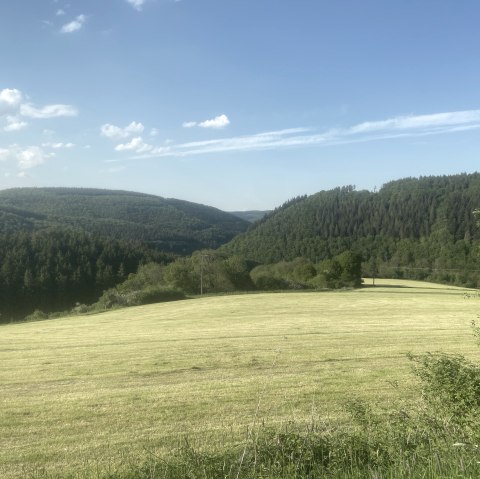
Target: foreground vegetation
239, 386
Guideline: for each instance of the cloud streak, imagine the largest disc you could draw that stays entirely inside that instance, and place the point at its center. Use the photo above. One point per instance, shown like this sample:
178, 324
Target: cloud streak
398, 127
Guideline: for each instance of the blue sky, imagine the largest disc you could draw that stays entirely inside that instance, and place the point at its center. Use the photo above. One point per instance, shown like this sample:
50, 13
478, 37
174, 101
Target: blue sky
237, 104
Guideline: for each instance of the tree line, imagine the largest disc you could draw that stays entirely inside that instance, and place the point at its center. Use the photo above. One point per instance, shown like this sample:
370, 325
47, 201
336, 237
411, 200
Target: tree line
54, 269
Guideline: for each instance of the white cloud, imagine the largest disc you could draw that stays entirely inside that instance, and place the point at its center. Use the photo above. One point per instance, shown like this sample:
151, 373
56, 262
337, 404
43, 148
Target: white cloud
12, 107
136, 144
14, 124
136, 4
218, 122
60, 12
116, 132
75, 25
10, 99
25, 158
48, 111
31, 157
154, 132
398, 127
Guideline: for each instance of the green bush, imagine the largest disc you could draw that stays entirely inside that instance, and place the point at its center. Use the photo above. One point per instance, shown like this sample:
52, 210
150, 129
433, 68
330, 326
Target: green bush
158, 294
37, 315
116, 298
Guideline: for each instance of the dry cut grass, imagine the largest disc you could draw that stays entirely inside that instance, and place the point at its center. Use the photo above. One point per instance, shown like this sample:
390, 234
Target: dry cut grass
83, 392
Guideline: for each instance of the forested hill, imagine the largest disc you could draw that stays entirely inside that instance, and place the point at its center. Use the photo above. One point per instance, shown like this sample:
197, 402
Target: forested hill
411, 227
166, 225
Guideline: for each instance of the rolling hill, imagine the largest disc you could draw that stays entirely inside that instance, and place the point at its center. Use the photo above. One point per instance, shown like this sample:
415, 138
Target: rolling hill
167, 225
65, 246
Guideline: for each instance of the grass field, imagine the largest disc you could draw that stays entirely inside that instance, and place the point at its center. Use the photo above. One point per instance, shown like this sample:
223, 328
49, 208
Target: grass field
92, 391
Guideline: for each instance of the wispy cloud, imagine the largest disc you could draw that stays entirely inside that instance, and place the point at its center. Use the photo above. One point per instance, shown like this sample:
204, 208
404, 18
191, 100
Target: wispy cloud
419, 122
398, 127
216, 123
137, 4
117, 133
14, 109
74, 25
59, 145
48, 111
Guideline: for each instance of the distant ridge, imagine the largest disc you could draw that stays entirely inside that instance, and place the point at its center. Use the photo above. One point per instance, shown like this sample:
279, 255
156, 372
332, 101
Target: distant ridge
165, 224
251, 216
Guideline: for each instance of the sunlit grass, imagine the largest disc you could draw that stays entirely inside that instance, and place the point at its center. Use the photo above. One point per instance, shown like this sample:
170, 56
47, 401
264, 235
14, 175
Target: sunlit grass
86, 391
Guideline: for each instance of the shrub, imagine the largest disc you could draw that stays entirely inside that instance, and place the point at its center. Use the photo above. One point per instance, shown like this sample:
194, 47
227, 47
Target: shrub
37, 315
157, 294
115, 298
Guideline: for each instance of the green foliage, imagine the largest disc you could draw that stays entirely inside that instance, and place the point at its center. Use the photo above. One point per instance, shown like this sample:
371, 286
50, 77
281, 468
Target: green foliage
62, 246
121, 298
53, 269
209, 271
294, 274
146, 286
37, 315
342, 271
413, 228
451, 385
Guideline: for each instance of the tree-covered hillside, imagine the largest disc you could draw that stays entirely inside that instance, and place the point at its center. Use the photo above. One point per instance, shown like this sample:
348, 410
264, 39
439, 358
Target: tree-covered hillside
411, 227
53, 269
166, 225
62, 246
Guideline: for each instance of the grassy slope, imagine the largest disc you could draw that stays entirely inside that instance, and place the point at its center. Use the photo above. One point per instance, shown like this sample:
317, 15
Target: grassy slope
87, 389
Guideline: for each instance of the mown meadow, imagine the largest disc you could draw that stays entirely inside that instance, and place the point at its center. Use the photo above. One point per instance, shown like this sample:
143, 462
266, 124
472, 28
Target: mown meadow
98, 395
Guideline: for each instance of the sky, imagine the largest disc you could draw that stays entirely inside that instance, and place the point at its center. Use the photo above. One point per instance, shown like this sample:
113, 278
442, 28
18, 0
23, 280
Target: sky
237, 104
